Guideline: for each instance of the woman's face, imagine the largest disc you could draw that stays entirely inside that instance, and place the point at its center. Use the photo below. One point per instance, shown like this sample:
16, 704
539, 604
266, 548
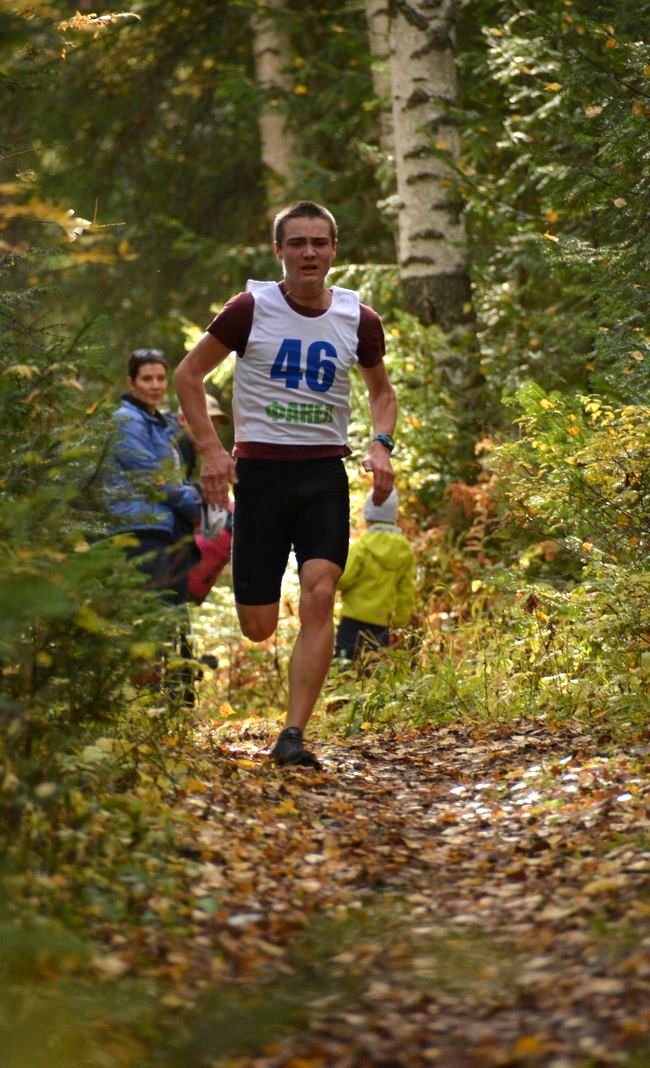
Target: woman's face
149, 385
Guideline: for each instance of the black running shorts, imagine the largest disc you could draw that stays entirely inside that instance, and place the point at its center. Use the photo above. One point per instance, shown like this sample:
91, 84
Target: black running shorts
285, 504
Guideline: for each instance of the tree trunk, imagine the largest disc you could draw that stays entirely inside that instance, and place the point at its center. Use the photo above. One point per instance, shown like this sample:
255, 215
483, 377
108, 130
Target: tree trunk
378, 21
272, 50
432, 244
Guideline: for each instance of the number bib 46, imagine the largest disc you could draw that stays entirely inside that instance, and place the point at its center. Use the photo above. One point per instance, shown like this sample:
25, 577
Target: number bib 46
292, 382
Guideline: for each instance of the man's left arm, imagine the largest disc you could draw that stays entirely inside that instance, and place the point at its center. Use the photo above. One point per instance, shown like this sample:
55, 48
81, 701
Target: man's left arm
383, 409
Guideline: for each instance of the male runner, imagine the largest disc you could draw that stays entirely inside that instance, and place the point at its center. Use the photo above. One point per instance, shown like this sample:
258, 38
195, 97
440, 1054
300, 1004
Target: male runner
296, 342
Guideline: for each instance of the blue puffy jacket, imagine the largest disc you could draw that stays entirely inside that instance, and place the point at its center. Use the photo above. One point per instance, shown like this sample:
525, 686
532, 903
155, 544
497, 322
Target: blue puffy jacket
144, 487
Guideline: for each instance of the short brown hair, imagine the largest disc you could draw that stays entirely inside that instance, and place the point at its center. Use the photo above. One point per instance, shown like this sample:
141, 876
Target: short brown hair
301, 209
138, 358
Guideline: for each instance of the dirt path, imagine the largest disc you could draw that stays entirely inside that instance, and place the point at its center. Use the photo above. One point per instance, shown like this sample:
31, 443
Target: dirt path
439, 898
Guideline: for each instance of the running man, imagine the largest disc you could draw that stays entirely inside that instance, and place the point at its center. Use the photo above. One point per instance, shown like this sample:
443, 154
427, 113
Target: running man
296, 342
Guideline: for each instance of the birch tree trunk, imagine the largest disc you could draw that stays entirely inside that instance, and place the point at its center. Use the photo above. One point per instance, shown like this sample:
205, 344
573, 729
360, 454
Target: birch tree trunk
378, 22
272, 50
432, 244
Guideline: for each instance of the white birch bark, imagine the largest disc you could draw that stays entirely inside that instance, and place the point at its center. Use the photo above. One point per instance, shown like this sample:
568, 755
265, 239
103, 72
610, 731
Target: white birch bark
378, 22
432, 243
272, 51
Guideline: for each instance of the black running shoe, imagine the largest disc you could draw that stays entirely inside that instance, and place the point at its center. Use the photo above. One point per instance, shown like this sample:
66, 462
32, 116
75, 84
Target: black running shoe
289, 750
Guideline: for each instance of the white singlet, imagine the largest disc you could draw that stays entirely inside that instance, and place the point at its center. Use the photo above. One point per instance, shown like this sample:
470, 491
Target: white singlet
292, 382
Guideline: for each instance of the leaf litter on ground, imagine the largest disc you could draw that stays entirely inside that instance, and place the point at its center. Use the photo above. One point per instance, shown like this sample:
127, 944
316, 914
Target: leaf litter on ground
454, 896
461, 896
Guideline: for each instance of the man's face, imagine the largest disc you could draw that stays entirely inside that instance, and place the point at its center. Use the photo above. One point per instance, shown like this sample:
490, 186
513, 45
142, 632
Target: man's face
149, 385
306, 253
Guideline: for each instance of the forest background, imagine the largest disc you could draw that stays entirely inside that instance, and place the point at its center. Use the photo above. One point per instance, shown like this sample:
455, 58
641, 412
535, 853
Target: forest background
141, 160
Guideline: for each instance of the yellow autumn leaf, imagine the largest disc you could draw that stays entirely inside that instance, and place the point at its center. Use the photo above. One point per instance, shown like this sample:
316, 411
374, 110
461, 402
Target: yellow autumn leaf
196, 786
552, 87
529, 1046
23, 370
88, 620
124, 541
143, 650
110, 966
45, 790
604, 885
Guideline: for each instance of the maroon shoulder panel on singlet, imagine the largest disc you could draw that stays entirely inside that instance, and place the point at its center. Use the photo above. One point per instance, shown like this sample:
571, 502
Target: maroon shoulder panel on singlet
232, 327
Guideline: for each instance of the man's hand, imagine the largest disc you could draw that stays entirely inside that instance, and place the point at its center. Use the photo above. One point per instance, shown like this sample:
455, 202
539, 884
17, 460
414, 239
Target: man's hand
217, 472
377, 462
217, 467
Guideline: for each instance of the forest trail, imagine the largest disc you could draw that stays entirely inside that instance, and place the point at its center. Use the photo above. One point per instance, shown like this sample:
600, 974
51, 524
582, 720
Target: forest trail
455, 897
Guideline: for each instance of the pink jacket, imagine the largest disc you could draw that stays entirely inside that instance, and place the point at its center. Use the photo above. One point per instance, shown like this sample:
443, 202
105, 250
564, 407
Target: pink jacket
215, 554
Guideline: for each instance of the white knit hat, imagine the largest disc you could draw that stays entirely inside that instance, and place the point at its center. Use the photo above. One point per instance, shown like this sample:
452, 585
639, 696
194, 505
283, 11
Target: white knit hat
381, 513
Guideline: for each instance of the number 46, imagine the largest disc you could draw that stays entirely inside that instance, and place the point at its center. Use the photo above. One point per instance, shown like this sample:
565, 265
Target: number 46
320, 371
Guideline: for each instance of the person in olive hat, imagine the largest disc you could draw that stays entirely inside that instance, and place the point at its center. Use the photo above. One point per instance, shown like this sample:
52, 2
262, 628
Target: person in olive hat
183, 434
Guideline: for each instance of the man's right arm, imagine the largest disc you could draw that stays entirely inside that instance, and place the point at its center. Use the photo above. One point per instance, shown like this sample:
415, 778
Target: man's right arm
217, 467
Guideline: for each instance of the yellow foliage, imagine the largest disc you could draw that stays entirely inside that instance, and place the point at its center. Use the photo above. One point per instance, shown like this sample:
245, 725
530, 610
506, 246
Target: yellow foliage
21, 370
143, 650
94, 23
88, 620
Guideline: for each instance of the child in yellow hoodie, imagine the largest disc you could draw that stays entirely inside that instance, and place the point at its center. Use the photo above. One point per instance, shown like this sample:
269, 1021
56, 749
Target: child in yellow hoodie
378, 584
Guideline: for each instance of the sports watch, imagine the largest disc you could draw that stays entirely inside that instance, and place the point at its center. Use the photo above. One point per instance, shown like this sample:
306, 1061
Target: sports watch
386, 441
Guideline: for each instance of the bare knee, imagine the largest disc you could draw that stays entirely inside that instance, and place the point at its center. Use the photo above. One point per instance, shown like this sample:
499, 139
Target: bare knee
318, 602
318, 589
257, 622
255, 632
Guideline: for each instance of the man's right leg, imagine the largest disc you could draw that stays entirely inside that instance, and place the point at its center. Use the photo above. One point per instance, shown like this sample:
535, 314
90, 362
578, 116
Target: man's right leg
258, 621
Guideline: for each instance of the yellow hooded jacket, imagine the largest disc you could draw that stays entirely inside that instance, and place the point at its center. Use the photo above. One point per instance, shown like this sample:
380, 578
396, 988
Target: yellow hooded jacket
378, 584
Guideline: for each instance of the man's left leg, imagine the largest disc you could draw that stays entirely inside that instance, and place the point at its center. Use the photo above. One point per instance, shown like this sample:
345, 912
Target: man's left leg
311, 658
320, 534
312, 653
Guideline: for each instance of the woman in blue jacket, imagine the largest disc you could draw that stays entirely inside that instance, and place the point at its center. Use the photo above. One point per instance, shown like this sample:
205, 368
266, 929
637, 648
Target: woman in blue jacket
145, 489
